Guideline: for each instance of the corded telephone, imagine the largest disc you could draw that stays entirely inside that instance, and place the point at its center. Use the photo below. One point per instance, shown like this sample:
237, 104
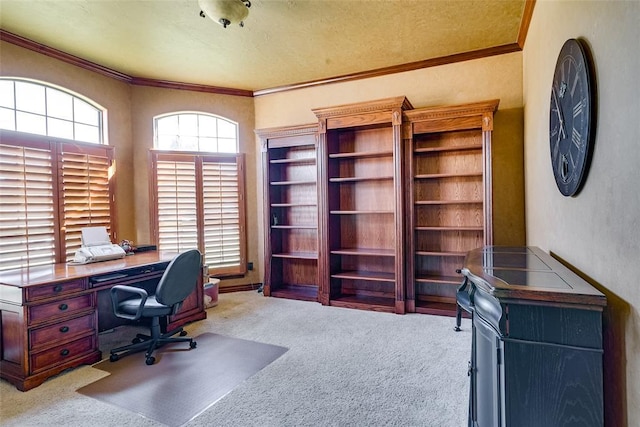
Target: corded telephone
96, 247
88, 254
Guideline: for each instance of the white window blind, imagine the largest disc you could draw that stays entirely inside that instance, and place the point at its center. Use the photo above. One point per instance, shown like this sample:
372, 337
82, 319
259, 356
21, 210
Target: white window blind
27, 208
177, 207
222, 204
49, 190
200, 204
85, 192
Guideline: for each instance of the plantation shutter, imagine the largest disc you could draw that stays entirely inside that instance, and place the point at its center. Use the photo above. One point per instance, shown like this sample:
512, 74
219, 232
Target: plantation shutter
177, 212
223, 206
85, 192
199, 203
27, 205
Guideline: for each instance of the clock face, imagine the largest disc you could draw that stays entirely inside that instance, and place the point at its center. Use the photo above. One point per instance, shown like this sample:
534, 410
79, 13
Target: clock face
570, 121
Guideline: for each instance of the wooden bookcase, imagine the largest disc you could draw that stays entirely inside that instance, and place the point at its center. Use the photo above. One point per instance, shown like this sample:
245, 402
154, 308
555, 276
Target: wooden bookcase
289, 167
361, 202
449, 204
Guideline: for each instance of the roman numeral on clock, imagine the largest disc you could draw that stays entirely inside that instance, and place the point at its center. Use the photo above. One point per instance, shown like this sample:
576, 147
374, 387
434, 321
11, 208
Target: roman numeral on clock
579, 107
576, 138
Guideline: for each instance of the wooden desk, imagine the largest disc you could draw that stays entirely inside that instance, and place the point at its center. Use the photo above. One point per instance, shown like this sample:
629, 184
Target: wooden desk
536, 357
50, 316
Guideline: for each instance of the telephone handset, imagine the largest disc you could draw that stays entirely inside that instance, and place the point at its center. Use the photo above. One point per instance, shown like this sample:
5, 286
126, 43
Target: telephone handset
88, 254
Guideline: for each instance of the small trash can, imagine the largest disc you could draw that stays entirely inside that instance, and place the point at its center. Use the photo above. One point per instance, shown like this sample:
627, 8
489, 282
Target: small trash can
211, 292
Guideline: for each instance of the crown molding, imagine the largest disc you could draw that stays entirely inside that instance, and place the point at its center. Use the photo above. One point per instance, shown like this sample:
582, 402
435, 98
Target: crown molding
62, 56
529, 5
140, 81
108, 72
427, 63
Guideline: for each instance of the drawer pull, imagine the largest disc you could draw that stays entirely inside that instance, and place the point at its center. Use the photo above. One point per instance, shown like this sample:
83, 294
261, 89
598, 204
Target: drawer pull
64, 352
57, 288
63, 307
64, 329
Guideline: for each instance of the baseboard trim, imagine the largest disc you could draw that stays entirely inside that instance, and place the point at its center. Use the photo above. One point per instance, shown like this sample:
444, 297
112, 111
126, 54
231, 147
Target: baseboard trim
239, 288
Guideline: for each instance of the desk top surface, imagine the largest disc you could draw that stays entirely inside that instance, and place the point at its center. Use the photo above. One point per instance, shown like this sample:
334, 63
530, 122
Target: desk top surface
31, 276
527, 272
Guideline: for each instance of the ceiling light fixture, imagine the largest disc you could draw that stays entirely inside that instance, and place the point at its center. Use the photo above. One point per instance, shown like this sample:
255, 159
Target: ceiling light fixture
225, 12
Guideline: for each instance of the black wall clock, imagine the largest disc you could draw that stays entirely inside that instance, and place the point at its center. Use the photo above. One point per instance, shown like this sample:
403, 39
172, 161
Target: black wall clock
571, 121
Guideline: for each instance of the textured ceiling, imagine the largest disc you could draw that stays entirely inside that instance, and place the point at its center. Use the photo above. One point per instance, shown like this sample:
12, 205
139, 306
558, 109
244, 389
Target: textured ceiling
283, 42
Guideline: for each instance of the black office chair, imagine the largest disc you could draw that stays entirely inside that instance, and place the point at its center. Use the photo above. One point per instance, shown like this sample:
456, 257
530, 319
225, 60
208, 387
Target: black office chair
177, 283
463, 301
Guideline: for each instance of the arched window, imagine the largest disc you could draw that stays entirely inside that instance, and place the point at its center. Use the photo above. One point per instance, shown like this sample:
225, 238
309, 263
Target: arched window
191, 131
55, 173
34, 107
198, 188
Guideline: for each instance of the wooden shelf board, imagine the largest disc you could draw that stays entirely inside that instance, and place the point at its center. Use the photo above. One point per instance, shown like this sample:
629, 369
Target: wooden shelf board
297, 292
292, 205
361, 154
441, 254
295, 227
437, 308
447, 280
364, 252
449, 148
384, 304
292, 182
309, 160
296, 255
447, 202
366, 275
449, 228
359, 212
360, 178
448, 175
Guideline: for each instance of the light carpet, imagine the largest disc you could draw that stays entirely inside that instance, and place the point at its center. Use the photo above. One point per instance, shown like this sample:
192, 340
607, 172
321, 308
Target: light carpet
343, 368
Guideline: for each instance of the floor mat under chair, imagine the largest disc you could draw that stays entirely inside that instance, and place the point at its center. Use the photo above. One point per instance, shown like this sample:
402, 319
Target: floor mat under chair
182, 383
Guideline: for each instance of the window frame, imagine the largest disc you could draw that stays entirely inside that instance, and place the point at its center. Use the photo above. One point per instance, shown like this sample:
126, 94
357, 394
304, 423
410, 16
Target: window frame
101, 111
198, 158
197, 113
58, 147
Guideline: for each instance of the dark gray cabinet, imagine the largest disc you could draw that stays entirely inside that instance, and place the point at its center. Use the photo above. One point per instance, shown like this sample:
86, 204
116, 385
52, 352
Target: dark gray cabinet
537, 352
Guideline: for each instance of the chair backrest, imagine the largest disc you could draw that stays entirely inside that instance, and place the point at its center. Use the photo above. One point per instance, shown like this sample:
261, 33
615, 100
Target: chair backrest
179, 279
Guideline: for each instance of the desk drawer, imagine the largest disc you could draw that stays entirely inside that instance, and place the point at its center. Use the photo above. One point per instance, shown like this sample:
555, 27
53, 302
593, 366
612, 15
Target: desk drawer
53, 310
60, 354
55, 289
61, 331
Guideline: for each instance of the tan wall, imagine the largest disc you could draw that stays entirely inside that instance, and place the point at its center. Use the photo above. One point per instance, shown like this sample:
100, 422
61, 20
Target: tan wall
130, 112
498, 77
111, 94
598, 231
148, 102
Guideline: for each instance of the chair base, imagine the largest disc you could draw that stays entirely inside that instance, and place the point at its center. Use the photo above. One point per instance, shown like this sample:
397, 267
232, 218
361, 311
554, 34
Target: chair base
151, 343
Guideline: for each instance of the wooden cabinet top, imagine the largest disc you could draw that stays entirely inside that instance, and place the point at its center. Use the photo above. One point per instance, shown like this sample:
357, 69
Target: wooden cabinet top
382, 111
528, 273
476, 115
32, 276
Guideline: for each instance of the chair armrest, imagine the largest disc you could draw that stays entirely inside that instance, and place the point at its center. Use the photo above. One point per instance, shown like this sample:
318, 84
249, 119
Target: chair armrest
115, 301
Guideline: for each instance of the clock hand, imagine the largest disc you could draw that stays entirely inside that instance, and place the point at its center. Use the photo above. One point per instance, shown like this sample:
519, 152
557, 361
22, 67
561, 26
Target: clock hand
559, 112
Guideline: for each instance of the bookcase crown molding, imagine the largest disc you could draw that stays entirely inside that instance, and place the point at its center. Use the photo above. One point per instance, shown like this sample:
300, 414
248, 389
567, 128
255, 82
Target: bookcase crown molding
380, 105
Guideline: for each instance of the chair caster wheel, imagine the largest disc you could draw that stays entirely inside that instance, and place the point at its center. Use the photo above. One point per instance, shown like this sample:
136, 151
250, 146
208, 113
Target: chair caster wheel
114, 358
150, 360
183, 333
193, 344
